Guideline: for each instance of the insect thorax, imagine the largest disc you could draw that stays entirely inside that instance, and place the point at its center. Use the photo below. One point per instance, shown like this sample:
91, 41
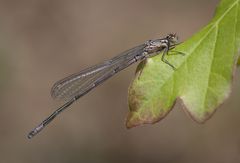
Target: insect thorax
155, 46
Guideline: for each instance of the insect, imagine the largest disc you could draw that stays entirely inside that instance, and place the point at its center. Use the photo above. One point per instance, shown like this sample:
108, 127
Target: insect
77, 85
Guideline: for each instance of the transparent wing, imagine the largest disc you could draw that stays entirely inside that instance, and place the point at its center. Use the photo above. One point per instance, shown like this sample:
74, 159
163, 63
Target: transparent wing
80, 83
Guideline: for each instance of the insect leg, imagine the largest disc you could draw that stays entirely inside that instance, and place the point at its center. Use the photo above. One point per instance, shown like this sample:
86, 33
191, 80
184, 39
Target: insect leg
177, 52
166, 61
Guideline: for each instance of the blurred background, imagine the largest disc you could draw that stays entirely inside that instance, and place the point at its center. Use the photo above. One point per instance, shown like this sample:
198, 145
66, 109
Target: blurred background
43, 41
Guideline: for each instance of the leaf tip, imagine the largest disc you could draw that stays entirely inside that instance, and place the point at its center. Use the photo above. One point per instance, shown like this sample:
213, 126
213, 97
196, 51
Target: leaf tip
200, 118
134, 118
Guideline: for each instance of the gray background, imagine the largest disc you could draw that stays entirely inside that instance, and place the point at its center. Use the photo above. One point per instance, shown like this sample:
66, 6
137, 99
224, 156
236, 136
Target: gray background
45, 40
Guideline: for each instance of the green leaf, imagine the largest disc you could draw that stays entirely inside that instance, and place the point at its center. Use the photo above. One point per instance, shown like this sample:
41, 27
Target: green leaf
203, 77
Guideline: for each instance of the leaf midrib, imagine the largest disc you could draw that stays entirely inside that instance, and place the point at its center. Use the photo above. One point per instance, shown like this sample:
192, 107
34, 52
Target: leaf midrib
223, 15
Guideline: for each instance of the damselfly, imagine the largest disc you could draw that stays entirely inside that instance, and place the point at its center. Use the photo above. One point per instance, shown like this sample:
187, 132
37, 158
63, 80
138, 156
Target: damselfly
77, 85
